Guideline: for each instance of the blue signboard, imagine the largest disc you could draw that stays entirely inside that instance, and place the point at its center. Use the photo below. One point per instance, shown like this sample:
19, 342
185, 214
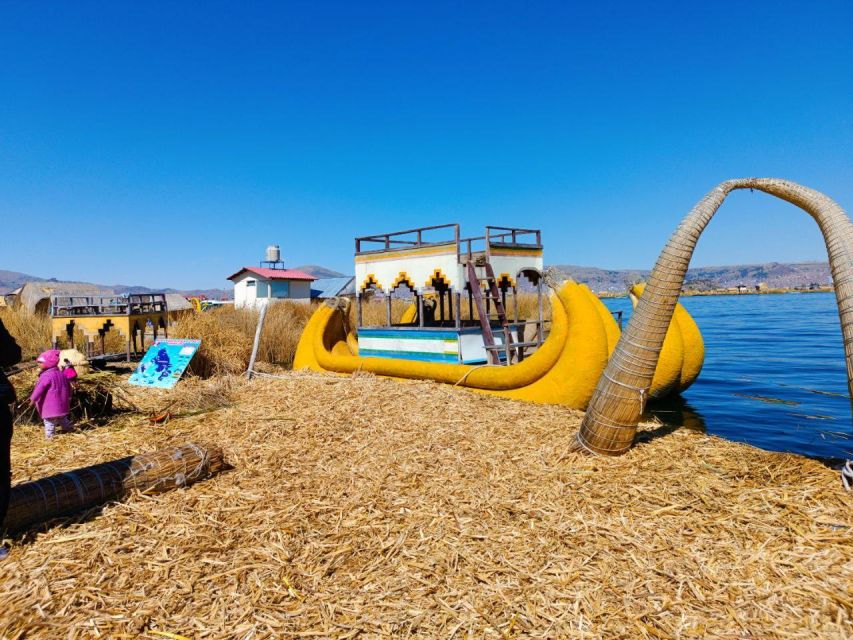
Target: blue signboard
164, 363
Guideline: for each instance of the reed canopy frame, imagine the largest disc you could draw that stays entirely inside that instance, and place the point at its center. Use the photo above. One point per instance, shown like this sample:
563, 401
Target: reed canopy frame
611, 420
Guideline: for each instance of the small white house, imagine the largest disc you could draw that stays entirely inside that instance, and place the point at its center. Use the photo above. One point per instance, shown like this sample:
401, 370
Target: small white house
255, 285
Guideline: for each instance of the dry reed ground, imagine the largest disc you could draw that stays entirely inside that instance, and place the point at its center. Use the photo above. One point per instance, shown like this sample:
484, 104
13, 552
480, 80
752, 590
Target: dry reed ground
359, 506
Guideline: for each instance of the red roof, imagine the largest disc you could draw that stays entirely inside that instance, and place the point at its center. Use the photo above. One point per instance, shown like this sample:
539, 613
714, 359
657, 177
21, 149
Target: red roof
275, 274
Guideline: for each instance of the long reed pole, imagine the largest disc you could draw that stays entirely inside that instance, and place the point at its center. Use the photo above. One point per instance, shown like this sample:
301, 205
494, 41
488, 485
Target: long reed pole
614, 411
259, 330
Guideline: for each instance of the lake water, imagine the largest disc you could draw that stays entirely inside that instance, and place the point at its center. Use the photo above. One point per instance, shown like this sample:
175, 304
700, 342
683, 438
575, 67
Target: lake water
774, 373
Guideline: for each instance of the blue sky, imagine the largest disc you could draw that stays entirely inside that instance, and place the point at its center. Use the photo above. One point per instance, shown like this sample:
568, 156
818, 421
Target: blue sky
166, 144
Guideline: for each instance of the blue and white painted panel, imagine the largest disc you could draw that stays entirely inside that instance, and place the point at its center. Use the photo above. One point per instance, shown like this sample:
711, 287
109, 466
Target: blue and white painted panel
408, 344
427, 345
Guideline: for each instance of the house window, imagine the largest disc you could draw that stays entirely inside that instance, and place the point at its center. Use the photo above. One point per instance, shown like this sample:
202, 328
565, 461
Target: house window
263, 290
280, 289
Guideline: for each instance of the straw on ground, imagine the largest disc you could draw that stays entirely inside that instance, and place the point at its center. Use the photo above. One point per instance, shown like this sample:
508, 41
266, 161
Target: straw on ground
362, 506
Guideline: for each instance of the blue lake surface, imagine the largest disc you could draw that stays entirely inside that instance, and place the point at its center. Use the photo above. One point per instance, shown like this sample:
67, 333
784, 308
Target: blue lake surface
774, 373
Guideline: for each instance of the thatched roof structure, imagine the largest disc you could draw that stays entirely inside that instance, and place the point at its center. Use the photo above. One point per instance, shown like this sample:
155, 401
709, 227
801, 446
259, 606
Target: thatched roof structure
177, 302
35, 296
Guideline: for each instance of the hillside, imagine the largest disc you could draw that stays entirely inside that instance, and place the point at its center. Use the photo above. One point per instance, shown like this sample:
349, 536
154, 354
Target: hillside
11, 280
774, 274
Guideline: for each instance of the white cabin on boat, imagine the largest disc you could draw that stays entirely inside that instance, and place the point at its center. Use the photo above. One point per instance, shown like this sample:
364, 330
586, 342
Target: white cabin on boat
440, 270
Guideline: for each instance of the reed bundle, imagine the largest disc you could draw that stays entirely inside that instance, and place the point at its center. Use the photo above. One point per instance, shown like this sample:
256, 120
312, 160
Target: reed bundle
614, 411
74, 491
364, 507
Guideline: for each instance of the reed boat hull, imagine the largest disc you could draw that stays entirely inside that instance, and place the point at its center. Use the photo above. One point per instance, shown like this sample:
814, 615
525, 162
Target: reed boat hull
564, 370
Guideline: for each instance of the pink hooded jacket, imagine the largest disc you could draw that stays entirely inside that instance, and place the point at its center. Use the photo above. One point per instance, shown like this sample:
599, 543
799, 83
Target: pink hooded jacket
52, 395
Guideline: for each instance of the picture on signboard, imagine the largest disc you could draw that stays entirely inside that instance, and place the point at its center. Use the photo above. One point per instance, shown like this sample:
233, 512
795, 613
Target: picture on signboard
164, 363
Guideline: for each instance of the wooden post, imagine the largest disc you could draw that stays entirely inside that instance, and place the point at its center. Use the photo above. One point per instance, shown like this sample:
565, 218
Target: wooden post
507, 342
388, 309
539, 327
457, 316
358, 309
440, 306
421, 311
470, 302
258, 331
515, 303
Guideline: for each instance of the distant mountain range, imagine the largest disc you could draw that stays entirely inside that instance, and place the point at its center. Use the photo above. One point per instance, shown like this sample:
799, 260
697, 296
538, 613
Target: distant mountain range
776, 275
773, 274
11, 280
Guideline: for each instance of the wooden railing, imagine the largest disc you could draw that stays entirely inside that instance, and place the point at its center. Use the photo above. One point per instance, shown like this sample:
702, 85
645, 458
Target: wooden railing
107, 305
465, 247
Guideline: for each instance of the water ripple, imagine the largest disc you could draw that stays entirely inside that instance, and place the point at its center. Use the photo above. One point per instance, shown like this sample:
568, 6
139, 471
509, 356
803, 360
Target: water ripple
774, 373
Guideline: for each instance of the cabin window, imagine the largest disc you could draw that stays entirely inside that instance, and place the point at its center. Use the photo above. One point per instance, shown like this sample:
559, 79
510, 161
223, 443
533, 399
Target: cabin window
263, 290
280, 289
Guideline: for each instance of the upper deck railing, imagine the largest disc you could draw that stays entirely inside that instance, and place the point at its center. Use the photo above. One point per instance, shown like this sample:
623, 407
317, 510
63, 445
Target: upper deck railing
466, 248
107, 305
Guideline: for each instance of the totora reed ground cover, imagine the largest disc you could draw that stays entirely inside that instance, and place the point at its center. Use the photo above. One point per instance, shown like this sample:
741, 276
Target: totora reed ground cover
364, 507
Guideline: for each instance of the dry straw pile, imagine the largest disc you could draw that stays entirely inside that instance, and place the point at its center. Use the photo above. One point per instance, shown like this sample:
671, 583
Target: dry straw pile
366, 507
31, 331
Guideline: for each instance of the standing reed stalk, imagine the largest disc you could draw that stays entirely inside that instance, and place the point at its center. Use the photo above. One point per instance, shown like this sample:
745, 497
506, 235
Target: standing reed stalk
610, 423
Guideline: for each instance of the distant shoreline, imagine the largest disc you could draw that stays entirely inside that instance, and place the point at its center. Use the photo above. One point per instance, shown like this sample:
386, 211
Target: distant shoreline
727, 292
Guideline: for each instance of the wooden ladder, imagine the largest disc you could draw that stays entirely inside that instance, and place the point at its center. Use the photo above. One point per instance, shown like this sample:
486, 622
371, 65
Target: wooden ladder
492, 294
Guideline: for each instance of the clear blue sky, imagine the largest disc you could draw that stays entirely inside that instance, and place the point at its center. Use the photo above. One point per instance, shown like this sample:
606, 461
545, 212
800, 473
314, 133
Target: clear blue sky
166, 144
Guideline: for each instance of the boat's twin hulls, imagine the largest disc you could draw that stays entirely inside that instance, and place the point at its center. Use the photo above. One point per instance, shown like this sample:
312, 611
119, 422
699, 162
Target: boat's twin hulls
564, 370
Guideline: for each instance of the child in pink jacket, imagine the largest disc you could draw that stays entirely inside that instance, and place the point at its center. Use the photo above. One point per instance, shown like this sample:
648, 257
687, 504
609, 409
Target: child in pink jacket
52, 395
